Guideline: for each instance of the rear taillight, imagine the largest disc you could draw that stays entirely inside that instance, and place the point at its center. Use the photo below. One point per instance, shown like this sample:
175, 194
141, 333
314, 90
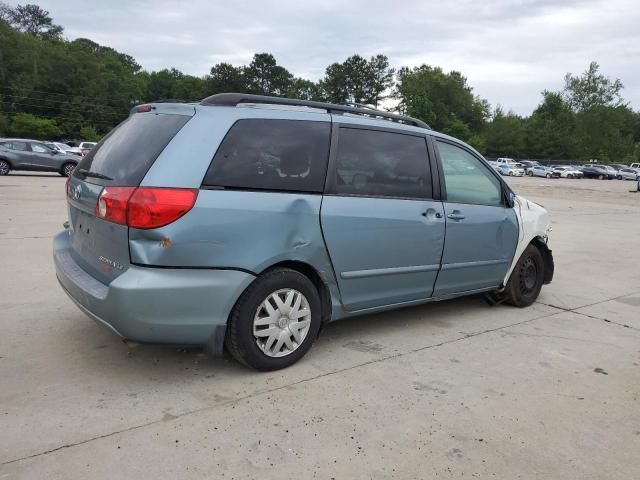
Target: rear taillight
145, 207
112, 204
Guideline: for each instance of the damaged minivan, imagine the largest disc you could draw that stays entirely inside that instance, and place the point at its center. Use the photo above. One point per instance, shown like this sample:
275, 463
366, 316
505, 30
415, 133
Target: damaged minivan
249, 222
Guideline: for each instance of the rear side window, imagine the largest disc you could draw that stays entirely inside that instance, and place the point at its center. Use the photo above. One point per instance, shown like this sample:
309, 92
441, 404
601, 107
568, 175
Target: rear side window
381, 164
262, 154
125, 155
20, 146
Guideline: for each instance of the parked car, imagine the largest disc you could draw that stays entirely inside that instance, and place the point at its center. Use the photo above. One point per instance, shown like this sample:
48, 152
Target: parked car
628, 174
568, 172
85, 147
596, 171
502, 160
63, 148
511, 169
528, 165
634, 165
618, 166
494, 165
542, 171
263, 235
612, 171
34, 155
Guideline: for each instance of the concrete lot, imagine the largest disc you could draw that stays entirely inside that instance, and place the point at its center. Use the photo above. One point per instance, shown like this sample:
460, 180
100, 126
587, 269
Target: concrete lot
456, 389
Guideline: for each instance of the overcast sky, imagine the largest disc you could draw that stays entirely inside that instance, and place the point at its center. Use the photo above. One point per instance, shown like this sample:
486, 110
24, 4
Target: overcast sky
509, 50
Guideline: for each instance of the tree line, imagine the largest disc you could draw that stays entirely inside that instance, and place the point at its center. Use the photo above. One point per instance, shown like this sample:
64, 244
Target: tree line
53, 88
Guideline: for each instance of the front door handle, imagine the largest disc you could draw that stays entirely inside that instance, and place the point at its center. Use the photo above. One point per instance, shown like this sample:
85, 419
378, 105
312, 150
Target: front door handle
456, 215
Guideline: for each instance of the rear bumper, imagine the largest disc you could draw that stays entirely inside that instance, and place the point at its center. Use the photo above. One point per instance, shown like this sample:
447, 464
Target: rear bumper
157, 305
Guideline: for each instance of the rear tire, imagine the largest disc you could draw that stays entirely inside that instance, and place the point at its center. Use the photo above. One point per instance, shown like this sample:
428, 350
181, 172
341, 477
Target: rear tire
600, 177
67, 169
619, 177
526, 279
5, 168
530, 174
570, 176
251, 315
548, 175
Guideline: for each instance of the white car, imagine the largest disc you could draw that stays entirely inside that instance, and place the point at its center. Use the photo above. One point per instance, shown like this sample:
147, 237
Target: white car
63, 148
511, 169
634, 165
629, 174
568, 172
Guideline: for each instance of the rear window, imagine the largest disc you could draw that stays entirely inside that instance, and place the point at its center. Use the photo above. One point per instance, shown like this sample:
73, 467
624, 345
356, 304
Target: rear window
263, 154
125, 155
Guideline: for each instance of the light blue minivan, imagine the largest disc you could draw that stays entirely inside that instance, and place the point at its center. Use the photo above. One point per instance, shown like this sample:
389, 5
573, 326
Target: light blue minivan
249, 222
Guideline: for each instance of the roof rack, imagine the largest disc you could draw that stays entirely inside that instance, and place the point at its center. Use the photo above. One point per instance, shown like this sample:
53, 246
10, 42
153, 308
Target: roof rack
233, 99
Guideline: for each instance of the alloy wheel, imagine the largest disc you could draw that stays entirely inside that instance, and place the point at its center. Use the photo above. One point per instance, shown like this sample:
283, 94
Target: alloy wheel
68, 169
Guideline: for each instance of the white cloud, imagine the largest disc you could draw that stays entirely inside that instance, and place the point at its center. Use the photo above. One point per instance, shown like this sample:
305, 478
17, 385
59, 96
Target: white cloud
509, 50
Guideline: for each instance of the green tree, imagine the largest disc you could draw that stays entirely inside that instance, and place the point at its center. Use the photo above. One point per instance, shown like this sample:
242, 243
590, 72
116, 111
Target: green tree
28, 126
550, 131
381, 78
592, 89
224, 77
358, 80
4, 124
505, 135
31, 19
444, 100
89, 133
265, 77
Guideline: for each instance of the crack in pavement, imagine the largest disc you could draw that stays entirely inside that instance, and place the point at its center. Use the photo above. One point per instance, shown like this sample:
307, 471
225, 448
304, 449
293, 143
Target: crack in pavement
606, 320
334, 372
266, 392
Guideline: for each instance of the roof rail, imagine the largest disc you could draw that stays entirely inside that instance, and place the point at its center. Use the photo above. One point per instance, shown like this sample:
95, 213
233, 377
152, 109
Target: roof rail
233, 99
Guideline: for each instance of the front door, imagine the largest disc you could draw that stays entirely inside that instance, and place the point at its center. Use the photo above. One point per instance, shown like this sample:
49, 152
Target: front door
383, 230
482, 232
43, 157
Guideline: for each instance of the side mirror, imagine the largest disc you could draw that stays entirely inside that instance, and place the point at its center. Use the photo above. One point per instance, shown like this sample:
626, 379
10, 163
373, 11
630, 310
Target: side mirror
510, 198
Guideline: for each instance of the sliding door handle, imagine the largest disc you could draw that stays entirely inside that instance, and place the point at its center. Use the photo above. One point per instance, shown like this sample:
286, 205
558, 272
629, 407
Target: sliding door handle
456, 215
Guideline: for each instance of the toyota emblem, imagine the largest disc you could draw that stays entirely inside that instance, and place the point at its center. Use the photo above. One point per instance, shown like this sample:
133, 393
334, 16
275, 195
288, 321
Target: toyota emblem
75, 193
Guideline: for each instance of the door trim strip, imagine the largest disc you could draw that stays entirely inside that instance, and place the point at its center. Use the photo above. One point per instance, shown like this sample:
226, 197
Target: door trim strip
377, 272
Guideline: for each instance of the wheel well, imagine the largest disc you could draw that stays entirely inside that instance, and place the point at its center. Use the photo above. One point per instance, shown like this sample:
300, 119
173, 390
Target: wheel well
547, 257
313, 275
7, 160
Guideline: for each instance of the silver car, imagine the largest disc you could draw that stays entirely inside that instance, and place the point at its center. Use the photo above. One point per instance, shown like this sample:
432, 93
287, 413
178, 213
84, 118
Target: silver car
628, 174
542, 171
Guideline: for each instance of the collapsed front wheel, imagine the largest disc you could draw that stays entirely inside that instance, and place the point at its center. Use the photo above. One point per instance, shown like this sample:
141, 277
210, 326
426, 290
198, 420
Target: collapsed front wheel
526, 279
275, 321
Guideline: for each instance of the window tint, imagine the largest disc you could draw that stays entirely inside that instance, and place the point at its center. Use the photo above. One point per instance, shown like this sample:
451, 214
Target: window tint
20, 146
40, 148
383, 164
288, 155
128, 151
466, 178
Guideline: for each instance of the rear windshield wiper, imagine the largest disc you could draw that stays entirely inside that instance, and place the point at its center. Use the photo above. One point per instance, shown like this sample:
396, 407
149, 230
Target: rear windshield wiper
87, 173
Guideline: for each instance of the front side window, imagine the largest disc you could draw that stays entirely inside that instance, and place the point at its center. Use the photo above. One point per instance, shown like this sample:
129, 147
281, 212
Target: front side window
40, 148
264, 154
381, 164
466, 178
